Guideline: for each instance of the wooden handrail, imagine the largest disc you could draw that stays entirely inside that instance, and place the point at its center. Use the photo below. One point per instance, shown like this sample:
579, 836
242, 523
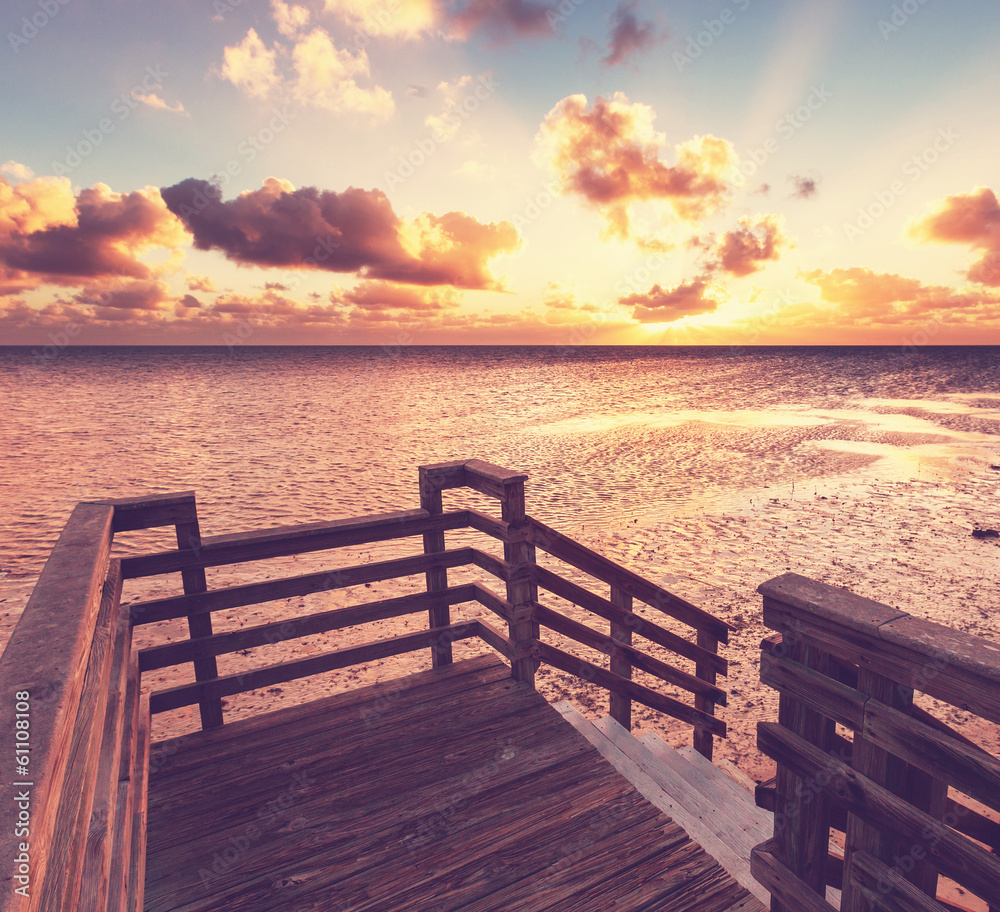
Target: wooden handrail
851, 661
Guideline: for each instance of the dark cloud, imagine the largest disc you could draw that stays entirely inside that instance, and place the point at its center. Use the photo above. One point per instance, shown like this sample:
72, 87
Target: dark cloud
66, 240
660, 306
629, 35
503, 19
972, 219
418, 91
351, 231
804, 187
610, 155
745, 249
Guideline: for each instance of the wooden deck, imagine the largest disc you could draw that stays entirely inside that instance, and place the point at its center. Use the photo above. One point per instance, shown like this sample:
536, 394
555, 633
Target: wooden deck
455, 788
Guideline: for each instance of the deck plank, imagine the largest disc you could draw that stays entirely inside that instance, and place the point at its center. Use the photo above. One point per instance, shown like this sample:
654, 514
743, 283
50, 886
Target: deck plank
456, 789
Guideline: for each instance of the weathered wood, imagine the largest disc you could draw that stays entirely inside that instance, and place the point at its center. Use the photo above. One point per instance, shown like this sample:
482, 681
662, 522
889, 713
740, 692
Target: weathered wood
502, 644
140, 787
970, 769
436, 577
801, 828
228, 685
442, 475
290, 587
47, 657
956, 667
278, 631
784, 886
814, 690
489, 599
199, 623
495, 528
576, 555
594, 674
634, 657
219, 550
888, 890
519, 556
702, 701
638, 624
151, 511
83, 753
100, 827
121, 835
621, 705
414, 814
882, 768
493, 480
955, 856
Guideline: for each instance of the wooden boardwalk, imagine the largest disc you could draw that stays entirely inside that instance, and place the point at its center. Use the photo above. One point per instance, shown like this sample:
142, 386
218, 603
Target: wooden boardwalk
453, 789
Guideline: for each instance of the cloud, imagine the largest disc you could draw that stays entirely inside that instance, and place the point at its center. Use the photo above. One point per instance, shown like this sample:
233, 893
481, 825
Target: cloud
328, 79
383, 297
629, 35
404, 19
154, 101
805, 187
250, 66
289, 18
47, 235
143, 295
351, 231
972, 219
610, 155
660, 306
867, 298
447, 124
16, 170
418, 91
200, 283
502, 19
746, 249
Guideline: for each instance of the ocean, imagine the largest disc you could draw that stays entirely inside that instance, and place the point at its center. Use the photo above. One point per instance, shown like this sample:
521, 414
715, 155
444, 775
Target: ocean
608, 435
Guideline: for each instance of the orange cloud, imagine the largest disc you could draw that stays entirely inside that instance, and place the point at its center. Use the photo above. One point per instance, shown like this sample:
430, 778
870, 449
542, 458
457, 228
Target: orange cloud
746, 249
352, 231
48, 236
383, 296
972, 219
610, 155
660, 306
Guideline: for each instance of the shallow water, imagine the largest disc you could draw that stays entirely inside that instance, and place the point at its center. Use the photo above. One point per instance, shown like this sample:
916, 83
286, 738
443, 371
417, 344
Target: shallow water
277, 435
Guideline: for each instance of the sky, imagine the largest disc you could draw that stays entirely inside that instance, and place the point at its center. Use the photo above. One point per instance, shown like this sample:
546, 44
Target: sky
562, 172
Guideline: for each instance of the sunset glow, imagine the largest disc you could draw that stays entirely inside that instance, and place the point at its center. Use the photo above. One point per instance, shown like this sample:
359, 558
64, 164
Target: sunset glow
470, 172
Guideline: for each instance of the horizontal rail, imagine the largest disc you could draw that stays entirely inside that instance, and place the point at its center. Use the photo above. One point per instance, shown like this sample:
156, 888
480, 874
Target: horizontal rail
151, 511
594, 674
295, 628
767, 869
229, 685
242, 547
892, 891
576, 555
499, 606
956, 857
956, 667
609, 646
501, 643
177, 606
484, 477
587, 600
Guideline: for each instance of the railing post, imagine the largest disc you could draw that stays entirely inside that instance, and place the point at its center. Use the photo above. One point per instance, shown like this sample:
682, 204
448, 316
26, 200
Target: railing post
703, 739
802, 828
520, 555
880, 767
199, 625
621, 706
437, 578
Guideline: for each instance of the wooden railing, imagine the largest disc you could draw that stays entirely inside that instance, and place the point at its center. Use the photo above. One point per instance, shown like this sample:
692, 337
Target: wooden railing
72, 680
843, 660
519, 608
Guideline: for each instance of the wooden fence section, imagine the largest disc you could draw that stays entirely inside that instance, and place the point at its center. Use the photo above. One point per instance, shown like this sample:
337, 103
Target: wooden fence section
519, 609
844, 660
